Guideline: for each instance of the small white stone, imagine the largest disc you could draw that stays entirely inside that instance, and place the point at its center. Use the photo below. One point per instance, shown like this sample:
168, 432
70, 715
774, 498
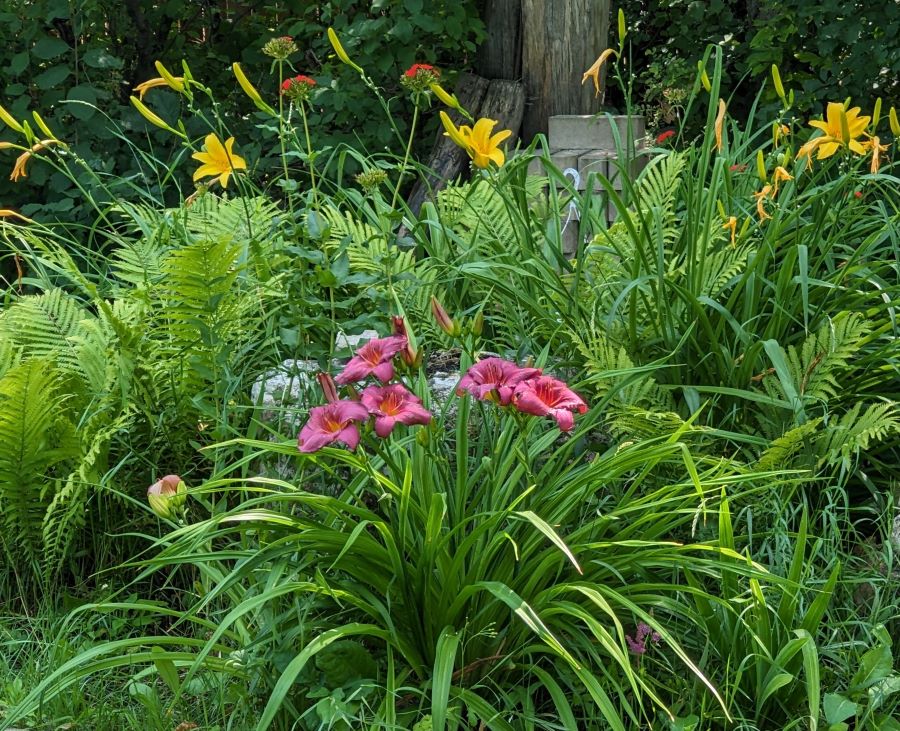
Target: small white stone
352, 342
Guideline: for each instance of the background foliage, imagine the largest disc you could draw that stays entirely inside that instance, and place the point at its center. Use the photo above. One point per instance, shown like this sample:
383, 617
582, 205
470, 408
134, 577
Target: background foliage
825, 50
77, 64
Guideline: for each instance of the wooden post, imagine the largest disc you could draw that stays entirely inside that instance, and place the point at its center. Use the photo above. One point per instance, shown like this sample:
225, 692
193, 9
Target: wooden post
500, 55
560, 40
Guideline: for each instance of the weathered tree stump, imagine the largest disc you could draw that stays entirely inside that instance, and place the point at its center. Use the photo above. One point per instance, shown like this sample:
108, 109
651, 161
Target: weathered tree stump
499, 99
560, 40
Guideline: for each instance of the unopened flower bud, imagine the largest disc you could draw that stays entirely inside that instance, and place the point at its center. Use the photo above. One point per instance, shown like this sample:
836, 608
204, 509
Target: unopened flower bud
419, 77
166, 496
329, 389
280, 48
371, 179
478, 323
444, 321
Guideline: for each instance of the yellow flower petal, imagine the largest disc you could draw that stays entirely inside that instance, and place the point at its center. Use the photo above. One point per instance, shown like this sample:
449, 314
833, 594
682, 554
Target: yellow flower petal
828, 148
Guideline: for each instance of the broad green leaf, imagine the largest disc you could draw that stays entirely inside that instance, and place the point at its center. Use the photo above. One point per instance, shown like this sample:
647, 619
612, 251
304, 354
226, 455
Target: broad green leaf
48, 48
837, 708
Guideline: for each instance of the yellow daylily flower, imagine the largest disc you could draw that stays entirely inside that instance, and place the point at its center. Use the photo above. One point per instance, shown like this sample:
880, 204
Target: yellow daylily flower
482, 146
720, 123
760, 201
780, 175
19, 168
841, 127
731, 225
594, 71
218, 160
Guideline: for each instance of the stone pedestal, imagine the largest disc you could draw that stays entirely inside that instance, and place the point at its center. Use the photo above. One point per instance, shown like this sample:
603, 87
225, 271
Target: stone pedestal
587, 145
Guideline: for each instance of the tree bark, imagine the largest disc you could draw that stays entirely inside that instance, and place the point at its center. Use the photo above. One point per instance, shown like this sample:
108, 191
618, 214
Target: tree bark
500, 55
446, 160
560, 40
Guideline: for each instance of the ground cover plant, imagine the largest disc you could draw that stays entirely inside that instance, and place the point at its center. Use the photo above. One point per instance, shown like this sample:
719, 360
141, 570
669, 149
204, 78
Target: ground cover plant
659, 491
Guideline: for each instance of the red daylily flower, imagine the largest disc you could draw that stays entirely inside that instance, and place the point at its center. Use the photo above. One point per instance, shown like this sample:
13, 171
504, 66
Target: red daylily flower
548, 396
494, 375
373, 358
391, 405
334, 422
738, 168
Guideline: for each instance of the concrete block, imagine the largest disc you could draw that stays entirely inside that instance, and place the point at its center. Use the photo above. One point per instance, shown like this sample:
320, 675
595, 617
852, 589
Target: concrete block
596, 162
561, 159
592, 132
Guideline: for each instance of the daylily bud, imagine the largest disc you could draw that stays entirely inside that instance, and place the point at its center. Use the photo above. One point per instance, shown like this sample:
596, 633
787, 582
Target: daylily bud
174, 82
446, 98
478, 323
761, 166
339, 50
409, 355
10, 121
876, 114
895, 123
444, 321
704, 78
622, 29
43, 125
153, 118
167, 495
250, 90
779, 87
329, 389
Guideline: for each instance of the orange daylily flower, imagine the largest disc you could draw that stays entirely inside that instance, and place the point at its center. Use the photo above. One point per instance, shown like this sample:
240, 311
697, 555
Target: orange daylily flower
8, 213
731, 225
778, 176
760, 201
720, 123
874, 144
594, 71
19, 168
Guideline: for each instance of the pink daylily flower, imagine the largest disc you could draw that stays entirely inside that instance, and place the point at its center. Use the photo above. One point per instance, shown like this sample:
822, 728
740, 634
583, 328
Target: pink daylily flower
495, 376
391, 405
373, 358
548, 396
333, 422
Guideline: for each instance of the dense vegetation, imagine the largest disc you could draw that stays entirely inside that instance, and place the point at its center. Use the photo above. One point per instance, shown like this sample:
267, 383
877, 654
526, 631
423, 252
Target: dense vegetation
660, 491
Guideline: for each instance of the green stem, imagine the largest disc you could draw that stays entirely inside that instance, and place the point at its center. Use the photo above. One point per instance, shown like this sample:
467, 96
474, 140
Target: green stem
284, 165
309, 155
412, 132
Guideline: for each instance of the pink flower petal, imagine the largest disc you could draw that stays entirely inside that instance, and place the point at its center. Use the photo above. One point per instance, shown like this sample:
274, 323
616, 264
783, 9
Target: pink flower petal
349, 435
384, 372
384, 425
565, 419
